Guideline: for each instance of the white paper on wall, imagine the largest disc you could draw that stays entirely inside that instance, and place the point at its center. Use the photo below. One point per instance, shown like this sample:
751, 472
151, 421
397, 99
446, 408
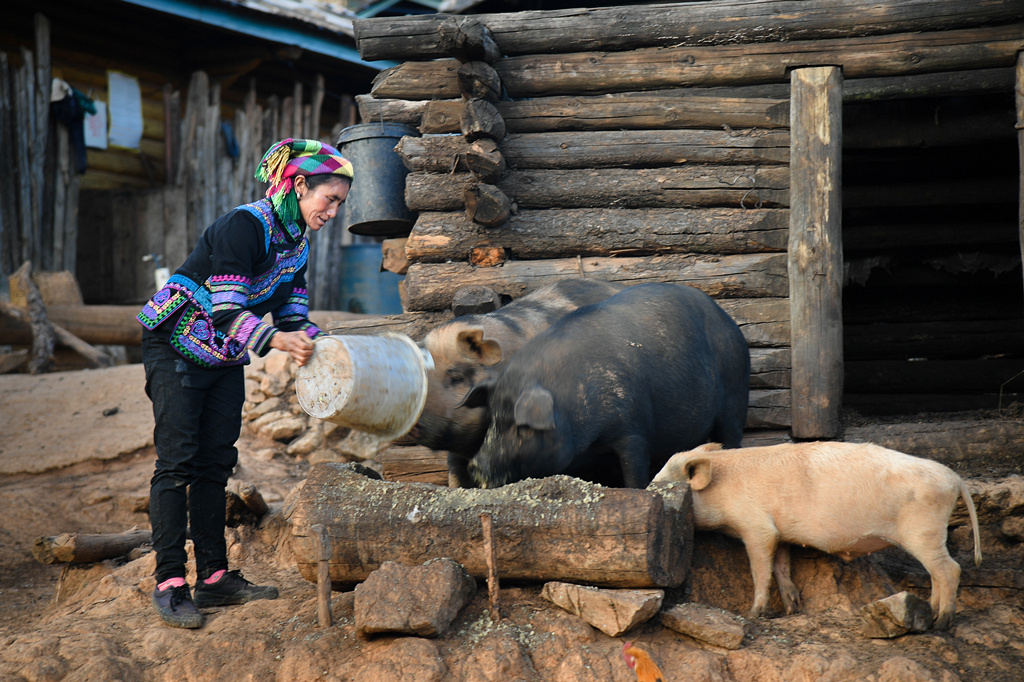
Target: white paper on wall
124, 99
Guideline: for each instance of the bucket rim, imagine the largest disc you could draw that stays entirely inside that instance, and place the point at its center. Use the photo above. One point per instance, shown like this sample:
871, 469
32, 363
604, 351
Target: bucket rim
363, 131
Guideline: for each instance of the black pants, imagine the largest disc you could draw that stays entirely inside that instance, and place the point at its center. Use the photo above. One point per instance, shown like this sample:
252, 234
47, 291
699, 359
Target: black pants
198, 414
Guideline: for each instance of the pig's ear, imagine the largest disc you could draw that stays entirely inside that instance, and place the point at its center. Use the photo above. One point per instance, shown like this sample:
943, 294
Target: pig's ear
477, 396
698, 472
535, 408
473, 346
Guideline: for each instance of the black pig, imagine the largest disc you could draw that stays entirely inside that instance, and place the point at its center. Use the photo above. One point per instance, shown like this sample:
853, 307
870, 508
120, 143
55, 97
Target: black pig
651, 371
475, 348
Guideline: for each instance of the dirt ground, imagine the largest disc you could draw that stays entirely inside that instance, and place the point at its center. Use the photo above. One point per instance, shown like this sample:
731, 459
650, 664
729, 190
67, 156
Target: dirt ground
76, 455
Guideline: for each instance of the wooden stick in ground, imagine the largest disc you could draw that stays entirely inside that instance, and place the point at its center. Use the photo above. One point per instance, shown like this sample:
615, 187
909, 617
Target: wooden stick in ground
492, 567
323, 578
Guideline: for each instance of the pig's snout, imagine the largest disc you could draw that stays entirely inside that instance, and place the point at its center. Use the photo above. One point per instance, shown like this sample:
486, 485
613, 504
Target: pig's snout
484, 476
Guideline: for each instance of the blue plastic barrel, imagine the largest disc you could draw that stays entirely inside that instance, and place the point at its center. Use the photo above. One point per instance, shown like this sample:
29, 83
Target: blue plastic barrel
363, 288
376, 202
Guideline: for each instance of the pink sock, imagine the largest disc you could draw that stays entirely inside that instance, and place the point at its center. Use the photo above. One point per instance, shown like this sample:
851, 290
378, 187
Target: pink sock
171, 582
215, 577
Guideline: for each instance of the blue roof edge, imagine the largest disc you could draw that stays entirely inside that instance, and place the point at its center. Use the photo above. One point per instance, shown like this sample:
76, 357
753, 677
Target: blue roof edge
269, 28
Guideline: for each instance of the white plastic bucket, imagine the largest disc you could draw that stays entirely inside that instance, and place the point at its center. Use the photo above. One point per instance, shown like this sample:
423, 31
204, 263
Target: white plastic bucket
375, 384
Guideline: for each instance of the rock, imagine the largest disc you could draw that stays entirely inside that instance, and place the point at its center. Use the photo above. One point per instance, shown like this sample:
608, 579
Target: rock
306, 443
361, 445
264, 407
284, 429
406, 658
278, 373
707, 624
1013, 527
416, 600
901, 669
253, 393
896, 615
613, 612
498, 656
325, 455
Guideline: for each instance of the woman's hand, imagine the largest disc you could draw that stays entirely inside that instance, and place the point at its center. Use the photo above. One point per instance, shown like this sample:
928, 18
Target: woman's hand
296, 344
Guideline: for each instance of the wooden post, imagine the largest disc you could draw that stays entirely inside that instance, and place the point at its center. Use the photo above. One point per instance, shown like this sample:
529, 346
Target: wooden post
492, 567
1019, 89
815, 250
322, 542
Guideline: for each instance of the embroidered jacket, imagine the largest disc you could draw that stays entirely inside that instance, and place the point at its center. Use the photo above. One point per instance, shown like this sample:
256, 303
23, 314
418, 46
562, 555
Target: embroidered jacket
246, 264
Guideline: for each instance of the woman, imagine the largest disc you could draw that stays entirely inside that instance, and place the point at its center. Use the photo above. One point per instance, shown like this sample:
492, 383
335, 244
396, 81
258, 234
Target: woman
199, 330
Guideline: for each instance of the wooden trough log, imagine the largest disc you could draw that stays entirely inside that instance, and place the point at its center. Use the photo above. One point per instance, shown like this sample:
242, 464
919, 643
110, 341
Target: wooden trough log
557, 528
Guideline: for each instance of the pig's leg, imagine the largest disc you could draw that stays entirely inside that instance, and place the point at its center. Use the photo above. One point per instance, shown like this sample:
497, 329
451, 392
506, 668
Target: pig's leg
635, 460
928, 545
787, 589
761, 544
945, 575
458, 472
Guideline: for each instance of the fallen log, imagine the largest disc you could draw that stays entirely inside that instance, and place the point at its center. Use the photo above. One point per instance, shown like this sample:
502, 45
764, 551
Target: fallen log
557, 528
86, 548
674, 187
431, 286
94, 357
437, 237
665, 25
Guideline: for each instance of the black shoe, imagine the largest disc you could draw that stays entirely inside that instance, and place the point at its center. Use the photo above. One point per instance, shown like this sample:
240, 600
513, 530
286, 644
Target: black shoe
176, 607
232, 588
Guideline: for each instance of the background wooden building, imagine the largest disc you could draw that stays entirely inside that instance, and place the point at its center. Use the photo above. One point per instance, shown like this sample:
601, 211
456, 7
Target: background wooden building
844, 179
219, 82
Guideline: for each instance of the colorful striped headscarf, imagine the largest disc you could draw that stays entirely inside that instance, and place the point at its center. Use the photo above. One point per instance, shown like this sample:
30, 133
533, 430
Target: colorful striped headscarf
288, 158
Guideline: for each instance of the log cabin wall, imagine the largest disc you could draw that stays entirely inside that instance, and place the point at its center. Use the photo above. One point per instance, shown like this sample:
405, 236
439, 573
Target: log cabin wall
665, 156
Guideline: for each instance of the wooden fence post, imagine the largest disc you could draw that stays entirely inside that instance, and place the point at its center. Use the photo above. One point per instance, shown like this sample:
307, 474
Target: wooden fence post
815, 250
1019, 90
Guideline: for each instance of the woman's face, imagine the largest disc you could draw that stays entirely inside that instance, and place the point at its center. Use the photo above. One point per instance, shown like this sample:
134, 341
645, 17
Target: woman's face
319, 204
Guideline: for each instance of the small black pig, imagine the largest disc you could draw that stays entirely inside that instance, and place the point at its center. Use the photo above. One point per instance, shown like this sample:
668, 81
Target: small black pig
653, 370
